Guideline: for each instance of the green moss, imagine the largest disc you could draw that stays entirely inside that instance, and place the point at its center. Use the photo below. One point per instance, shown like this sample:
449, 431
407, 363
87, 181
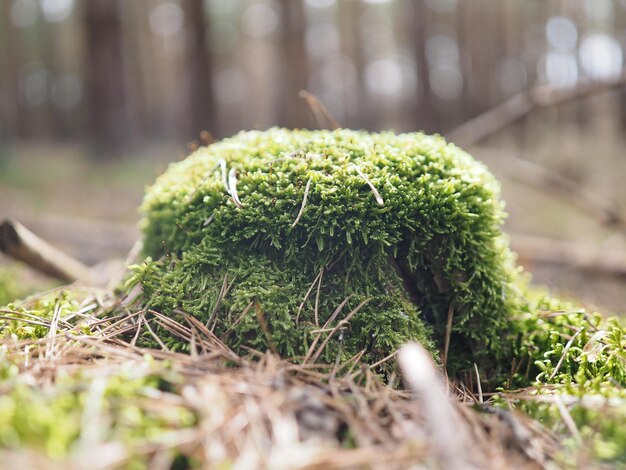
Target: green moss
575, 361
82, 409
407, 222
33, 320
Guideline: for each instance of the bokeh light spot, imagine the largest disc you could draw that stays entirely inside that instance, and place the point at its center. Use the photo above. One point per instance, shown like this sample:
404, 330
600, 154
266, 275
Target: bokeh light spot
259, 20
561, 33
167, 19
56, 11
24, 13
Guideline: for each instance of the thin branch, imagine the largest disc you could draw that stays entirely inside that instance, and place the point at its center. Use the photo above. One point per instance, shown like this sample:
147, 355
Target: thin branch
515, 108
23, 245
538, 176
581, 256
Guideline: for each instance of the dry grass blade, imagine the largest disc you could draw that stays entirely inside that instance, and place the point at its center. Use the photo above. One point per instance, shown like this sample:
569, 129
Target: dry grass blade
306, 194
222, 164
478, 384
238, 320
568, 420
53, 329
306, 296
316, 310
232, 187
325, 328
154, 335
323, 117
565, 351
446, 344
223, 291
339, 325
260, 316
377, 196
133, 342
419, 371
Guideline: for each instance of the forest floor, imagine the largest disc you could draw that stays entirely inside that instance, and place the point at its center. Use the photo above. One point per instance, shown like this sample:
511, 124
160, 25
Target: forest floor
79, 364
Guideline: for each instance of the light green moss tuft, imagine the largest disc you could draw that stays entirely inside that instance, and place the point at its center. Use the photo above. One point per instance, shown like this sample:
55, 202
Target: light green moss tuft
408, 223
52, 419
576, 363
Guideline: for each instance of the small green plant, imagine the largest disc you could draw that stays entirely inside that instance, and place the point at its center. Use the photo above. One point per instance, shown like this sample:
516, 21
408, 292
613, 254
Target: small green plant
576, 363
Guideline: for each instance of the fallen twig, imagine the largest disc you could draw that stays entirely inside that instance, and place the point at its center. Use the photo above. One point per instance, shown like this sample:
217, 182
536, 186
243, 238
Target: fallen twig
23, 245
538, 176
515, 108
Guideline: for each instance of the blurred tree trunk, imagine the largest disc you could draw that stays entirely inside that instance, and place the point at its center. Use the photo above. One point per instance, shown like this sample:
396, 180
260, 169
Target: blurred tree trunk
619, 25
55, 122
294, 74
200, 68
480, 17
426, 117
104, 71
14, 119
358, 102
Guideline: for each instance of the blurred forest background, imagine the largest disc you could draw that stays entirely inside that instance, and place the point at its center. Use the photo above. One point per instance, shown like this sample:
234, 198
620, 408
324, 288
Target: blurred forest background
97, 96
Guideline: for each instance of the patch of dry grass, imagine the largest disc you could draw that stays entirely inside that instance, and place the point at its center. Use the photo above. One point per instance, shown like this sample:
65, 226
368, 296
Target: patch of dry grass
120, 405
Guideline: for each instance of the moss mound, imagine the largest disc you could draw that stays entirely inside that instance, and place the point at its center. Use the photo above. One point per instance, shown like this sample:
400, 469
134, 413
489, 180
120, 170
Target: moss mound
358, 241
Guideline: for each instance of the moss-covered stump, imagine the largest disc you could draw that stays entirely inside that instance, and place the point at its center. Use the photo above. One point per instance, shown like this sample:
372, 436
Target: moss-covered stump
332, 245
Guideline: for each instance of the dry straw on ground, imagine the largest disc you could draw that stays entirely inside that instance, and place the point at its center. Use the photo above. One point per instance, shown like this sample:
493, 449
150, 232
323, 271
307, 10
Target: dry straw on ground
256, 411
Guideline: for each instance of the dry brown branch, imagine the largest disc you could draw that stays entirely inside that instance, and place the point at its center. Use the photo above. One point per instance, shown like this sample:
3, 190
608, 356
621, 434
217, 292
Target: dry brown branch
515, 108
582, 256
23, 245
